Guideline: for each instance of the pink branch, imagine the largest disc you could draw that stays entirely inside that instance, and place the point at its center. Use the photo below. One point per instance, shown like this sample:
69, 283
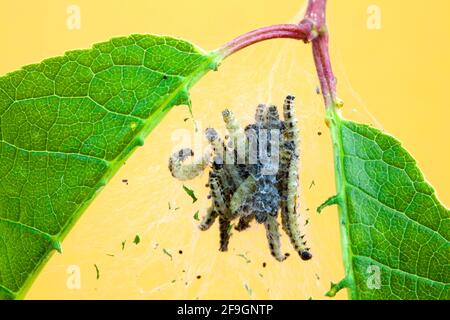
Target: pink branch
311, 29
292, 31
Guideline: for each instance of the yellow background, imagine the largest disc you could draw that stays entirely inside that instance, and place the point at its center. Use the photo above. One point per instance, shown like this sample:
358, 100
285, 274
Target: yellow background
395, 78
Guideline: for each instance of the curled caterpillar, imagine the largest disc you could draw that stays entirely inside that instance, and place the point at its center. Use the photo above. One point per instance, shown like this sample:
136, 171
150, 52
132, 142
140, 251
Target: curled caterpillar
183, 171
255, 183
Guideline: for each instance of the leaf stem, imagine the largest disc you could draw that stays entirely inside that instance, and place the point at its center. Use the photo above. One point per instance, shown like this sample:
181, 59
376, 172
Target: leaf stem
293, 31
311, 29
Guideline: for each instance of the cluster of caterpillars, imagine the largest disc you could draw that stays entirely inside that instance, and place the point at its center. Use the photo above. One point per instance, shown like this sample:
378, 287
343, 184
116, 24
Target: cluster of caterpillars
253, 176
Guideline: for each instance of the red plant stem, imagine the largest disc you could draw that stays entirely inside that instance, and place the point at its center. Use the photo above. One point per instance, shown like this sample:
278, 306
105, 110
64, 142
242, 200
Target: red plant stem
311, 29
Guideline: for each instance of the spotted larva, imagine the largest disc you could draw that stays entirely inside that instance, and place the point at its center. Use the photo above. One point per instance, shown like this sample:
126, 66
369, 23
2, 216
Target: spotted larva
216, 143
237, 135
273, 118
260, 113
183, 171
273, 238
246, 190
223, 155
217, 195
209, 219
283, 176
290, 124
289, 180
292, 219
244, 222
224, 225
240, 196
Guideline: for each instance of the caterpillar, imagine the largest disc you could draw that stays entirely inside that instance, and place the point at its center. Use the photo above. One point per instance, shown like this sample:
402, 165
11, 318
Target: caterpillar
290, 180
209, 219
260, 113
224, 226
222, 210
216, 143
291, 215
239, 199
273, 118
219, 202
211, 213
223, 155
290, 124
244, 222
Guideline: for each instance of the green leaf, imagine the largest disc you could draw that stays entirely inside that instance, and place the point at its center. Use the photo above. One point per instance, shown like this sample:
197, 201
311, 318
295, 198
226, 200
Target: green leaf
394, 230
190, 193
137, 239
67, 124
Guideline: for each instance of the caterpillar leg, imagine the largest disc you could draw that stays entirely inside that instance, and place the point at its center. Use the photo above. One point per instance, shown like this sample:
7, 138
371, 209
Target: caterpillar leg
239, 197
208, 219
224, 225
244, 222
187, 171
273, 237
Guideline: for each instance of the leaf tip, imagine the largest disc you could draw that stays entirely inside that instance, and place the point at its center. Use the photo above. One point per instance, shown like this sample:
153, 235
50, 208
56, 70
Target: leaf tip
336, 199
